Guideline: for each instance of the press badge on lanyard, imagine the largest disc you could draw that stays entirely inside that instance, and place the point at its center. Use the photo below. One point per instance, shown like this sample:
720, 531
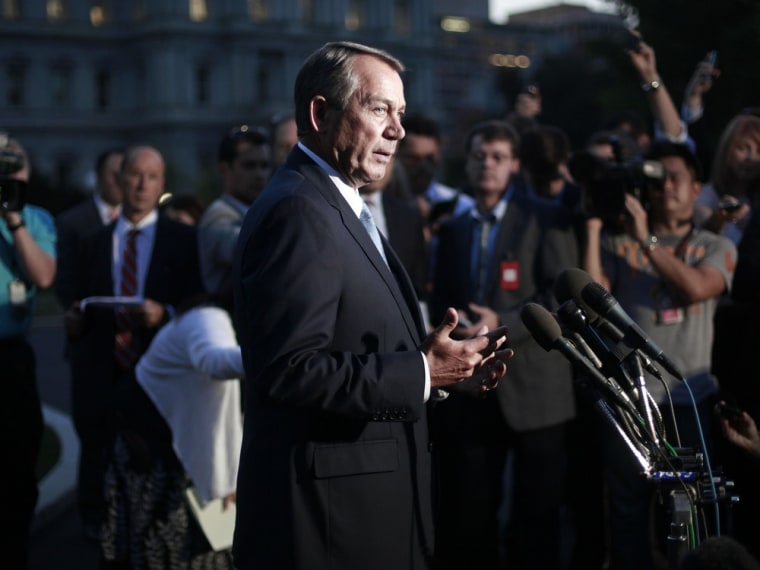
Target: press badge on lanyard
667, 314
510, 275
670, 316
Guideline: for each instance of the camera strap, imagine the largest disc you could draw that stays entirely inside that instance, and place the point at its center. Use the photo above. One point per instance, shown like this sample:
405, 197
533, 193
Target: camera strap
668, 308
680, 250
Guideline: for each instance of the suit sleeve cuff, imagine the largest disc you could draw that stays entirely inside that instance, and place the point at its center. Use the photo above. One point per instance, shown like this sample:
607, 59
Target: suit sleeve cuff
426, 395
438, 394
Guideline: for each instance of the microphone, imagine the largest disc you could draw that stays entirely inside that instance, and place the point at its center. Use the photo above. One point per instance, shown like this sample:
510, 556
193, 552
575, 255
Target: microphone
574, 318
602, 301
548, 334
569, 286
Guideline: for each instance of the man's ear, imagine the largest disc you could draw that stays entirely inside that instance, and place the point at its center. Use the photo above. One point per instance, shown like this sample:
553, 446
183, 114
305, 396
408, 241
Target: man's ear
696, 189
318, 113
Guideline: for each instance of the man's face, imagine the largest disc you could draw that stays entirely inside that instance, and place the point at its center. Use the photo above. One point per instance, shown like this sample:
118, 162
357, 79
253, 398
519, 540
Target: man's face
420, 156
108, 180
675, 199
246, 177
142, 182
489, 166
362, 138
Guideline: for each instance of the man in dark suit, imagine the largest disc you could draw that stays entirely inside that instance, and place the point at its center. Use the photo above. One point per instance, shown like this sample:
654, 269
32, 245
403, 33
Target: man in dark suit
334, 469
165, 273
489, 263
85, 218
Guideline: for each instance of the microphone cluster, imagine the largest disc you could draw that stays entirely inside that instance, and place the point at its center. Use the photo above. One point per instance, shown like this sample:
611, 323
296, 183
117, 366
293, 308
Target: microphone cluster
610, 353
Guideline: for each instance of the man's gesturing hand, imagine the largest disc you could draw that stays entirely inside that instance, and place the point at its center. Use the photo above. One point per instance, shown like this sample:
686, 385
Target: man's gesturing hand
453, 361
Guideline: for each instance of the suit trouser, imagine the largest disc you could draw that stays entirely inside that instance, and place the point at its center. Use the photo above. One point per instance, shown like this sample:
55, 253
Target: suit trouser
95, 411
20, 437
469, 478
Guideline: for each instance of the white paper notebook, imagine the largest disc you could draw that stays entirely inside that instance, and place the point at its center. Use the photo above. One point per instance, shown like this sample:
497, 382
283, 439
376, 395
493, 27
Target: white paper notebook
217, 524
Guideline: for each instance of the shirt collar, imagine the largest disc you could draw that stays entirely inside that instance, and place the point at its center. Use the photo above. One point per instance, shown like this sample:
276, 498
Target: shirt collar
148, 223
498, 211
237, 204
349, 193
105, 209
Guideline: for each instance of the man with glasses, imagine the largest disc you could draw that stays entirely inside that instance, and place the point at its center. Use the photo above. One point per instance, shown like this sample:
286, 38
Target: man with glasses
489, 262
244, 160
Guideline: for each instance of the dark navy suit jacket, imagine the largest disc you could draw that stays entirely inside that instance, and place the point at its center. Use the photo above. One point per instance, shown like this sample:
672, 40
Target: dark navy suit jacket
334, 470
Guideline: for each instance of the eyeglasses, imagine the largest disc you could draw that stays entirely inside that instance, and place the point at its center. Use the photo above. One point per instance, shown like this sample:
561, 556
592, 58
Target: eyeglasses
498, 158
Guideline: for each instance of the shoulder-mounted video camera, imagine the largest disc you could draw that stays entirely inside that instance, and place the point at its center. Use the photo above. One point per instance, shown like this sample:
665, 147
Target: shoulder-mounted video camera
605, 183
12, 191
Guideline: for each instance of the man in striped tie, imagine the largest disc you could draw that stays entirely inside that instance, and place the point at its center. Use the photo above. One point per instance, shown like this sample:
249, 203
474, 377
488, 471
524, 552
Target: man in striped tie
147, 264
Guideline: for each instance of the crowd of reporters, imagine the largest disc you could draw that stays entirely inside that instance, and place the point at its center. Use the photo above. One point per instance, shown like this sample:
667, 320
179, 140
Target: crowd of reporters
680, 255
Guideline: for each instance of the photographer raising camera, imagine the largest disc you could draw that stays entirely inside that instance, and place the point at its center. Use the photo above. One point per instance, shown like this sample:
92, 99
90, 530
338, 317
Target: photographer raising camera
667, 275
27, 261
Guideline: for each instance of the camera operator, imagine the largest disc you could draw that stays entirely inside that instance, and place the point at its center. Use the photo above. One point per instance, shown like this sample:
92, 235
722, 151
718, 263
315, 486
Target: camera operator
27, 261
668, 276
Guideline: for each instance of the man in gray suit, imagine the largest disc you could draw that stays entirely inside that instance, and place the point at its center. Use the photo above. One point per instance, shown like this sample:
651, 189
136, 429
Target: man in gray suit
335, 469
244, 158
489, 262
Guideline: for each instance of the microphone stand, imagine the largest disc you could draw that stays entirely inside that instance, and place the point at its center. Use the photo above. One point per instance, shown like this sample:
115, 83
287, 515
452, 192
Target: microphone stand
608, 413
633, 365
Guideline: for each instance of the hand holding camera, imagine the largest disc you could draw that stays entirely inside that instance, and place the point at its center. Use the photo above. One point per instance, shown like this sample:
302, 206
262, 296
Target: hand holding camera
12, 189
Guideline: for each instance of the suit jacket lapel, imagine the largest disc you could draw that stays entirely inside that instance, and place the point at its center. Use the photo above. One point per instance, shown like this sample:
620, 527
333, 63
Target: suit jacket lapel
406, 301
404, 284
154, 280
464, 252
104, 258
511, 230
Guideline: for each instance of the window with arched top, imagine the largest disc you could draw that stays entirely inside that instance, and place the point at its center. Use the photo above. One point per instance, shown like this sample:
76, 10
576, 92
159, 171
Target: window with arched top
258, 10
198, 10
11, 9
56, 10
402, 17
308, 11
355, 14
100, 12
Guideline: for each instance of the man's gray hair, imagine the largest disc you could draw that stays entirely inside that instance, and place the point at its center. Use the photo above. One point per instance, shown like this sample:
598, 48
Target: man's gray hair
329, 72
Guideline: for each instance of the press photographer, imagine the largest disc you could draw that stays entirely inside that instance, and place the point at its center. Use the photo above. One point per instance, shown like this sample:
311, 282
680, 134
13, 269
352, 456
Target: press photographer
668, 276
27, 262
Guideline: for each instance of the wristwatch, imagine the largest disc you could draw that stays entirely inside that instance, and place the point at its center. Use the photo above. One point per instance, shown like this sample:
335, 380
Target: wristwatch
648, 86
14, 227
651, 243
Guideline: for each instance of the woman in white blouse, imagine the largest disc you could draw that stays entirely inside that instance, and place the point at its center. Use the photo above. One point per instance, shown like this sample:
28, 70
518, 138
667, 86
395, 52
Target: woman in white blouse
181, 426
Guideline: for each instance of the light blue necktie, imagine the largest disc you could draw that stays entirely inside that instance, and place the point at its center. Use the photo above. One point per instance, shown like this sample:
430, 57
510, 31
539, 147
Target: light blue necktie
369, 224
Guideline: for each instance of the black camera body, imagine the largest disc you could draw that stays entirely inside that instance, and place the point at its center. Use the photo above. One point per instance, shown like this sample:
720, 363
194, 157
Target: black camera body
605, 183
12, 191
